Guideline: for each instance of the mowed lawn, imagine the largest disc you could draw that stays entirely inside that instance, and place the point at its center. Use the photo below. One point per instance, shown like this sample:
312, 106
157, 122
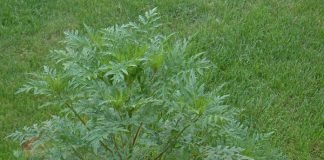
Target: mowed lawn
269, 56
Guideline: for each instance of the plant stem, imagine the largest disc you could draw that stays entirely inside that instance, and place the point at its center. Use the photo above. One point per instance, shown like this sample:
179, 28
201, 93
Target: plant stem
78, 154
84, 123
117, 148
136, 135
171, 143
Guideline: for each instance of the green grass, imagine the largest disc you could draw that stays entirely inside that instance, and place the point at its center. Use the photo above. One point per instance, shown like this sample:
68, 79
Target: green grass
270, 54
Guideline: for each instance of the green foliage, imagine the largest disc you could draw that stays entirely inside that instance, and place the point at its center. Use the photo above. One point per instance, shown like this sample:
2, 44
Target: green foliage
128, 92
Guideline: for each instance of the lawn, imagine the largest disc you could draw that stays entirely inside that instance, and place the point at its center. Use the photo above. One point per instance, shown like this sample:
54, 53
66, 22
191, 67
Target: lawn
269, 56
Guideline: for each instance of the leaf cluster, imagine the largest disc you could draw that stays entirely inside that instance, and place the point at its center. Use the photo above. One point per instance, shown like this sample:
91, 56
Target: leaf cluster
128, 92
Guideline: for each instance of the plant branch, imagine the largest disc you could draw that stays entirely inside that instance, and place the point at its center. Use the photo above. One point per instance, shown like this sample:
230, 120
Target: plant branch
78, 116
84, 123
137, 133
117, 148
78, 154
171, 143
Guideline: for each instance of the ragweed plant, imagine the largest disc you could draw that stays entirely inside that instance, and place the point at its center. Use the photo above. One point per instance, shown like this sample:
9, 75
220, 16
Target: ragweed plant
127, 92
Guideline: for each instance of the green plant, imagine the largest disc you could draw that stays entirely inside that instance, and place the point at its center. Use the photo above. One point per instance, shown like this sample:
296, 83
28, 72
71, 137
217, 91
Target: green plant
127, 92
